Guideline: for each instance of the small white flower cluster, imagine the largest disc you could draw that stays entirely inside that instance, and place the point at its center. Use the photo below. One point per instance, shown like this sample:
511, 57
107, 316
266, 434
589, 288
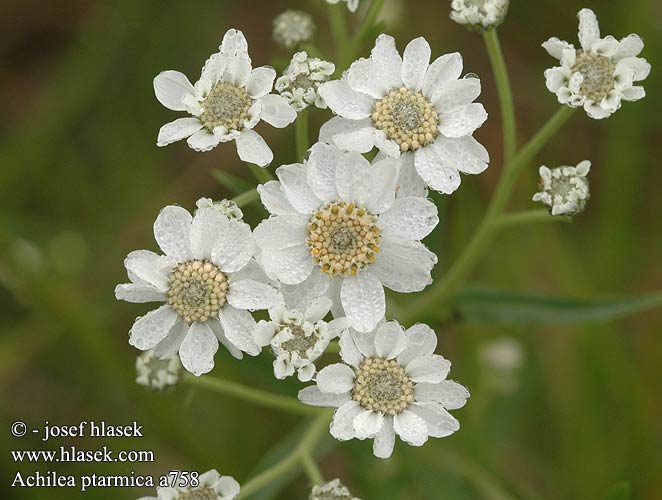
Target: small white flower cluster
157, 373
352, 5
333, 490
479, 14
301, 80
227, 207
212, 486
293, 28
564, 189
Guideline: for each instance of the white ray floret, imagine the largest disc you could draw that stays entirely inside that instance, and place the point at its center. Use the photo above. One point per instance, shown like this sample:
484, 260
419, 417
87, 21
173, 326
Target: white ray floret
208, 282
389, 382
157, 373
479, 14
405, 105
333, 490
301, 80
336, 219
225, 104
601, 73
212, 486
564, 190
352, 5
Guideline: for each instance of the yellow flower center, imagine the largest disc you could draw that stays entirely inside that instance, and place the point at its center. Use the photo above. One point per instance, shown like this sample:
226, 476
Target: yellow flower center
598, 73
382, 385
198, 289
225, 106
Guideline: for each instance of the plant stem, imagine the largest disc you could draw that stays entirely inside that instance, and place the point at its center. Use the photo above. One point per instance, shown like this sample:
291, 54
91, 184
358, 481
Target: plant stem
244, 199
251, 395
309, 440
508, 122
302, 141
340, 32
528, 217
311, 469
369, 21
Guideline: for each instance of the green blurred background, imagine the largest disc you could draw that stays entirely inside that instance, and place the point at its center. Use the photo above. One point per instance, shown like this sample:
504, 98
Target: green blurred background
82, 181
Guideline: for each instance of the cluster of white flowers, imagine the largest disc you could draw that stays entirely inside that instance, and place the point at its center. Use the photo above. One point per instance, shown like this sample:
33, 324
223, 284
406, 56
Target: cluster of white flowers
301, 80
333, 490
293, 28
212, 486
157, 373
479, 14
564, 189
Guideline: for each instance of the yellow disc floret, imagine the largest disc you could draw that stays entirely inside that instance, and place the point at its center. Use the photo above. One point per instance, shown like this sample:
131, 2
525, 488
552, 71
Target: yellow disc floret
198, 289
383, 385
225, 106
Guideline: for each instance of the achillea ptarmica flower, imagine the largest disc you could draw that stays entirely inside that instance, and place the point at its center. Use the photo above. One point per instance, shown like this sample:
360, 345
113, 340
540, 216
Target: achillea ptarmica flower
293, 28
209, 283
301, 80
227, 207
564, 189
298, 337
352, 5
403, 105
337, 215
390, 382
599, 75
479, 14
333, 490
226, 103
212, 486
157, 373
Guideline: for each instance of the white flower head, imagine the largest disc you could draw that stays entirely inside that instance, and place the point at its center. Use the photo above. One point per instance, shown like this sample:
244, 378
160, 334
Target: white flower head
333, 490
293, 28
336, 219
352, 5
564, 190
404, 105
298, 337
599, 75
479, 14
212, 486
209, 283
227, 207
226, 103
390, 382
301, 80
157, 373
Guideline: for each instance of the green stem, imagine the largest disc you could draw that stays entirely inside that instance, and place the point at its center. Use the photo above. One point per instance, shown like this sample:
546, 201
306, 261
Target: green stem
244, 199
541, 215
368, 23
302, 141
251, 395
309, 440
311, 469
508, 122
262, 174
482, 236
340, 33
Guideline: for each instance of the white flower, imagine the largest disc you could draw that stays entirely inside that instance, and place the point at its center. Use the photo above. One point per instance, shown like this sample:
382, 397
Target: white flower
226, 103
157, 373
227, 207
212, 486
406, 105
352, 5
599, 75
336, 219
209, 283
479, 14
390, 382
501, 361
301, 80
298, 337
292, 28
564, 189
333, 490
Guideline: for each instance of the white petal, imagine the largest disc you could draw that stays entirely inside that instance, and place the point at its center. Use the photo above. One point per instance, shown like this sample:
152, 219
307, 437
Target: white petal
430, 368
639, 67
252, 295
228, 487
237, 70
171, 87
386, 55
344, 101
630, 46
203, 140
349, 353
349, 167
281, 231
633, 93
208, 223
317, 309
439, 422
252, 148
435, 171
238, 326
198, 349
448, 393
415, 62
306, 372
299, 296
365, 343
556, 78
217, 328
421, 341
361, 140
457, 94
273, 198
152, 328
264, 331
233, 247
234, 43
555, 47
276, 111
321, 171
409, 218
283, 368
368, 77
462, 121
177, 130
294, 184
409, 182
385, 145
152, 272
139, 294
172, 230
465, 154
384, 442
389, 340
344, 130
342, 423
290, 265
589, 30
363, 300
443, 70
169, 346
404, 265
312, 396
335, 379
369, 186
260, 82
411, 428
367, 424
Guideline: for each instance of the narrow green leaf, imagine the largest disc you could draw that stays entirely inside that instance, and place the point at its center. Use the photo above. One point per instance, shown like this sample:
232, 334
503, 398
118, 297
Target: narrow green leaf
622, 491
234, 183
505, 307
